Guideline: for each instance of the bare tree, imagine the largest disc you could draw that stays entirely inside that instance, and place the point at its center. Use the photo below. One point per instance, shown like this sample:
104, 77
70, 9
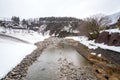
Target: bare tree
102, 20
91, 27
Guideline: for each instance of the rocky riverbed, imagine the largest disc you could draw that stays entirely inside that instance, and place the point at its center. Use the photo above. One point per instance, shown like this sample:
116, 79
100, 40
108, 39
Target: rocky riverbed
68, 71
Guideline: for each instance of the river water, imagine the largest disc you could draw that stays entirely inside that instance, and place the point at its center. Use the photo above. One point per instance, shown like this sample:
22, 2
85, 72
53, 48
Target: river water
47, 65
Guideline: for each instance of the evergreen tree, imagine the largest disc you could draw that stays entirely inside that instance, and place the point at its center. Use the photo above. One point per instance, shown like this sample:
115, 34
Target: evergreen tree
15, 20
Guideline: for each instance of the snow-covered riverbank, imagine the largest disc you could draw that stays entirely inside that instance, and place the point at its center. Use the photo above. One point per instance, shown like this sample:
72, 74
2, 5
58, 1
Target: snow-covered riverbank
11, 53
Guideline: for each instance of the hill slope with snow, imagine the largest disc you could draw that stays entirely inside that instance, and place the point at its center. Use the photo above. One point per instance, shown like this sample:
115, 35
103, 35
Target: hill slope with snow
114, 17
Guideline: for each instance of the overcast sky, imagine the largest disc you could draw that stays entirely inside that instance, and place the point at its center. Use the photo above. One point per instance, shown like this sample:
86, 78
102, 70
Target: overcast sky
45, 8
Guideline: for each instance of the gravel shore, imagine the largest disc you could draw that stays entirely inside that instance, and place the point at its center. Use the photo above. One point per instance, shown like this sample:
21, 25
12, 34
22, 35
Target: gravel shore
68, 71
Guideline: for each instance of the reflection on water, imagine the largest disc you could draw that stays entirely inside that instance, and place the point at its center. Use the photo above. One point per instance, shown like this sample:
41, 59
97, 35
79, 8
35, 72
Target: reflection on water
46, 67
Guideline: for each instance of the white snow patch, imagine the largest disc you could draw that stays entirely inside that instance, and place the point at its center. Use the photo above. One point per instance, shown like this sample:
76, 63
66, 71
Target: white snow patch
84, 40
11, 54
93, 53
30, 36
99, 55
92, 45
112, 30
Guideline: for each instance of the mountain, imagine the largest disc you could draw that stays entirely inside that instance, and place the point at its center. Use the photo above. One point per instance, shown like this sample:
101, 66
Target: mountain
114, 17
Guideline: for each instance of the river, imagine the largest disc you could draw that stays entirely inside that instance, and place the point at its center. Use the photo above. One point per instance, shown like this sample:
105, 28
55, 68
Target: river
47, 66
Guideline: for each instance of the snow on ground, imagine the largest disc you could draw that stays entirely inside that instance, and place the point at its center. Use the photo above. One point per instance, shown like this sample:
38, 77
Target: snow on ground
112, 30
30, 36
11, 53
92, 45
